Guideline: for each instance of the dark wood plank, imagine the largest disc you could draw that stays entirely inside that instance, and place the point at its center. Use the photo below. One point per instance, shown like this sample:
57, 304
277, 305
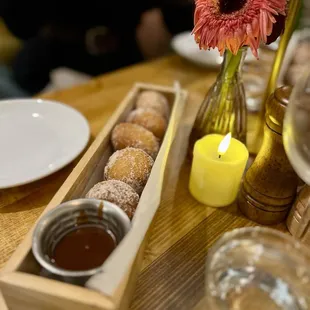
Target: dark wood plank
175, 279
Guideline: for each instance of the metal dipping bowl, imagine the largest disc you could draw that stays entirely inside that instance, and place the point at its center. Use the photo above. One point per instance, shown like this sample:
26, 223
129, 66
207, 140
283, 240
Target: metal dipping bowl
69, 216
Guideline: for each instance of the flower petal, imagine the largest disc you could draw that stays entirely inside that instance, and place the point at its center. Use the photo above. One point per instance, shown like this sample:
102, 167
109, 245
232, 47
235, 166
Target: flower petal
252, 23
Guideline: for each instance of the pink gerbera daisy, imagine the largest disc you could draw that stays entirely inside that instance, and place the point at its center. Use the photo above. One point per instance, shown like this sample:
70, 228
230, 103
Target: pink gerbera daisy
230, 24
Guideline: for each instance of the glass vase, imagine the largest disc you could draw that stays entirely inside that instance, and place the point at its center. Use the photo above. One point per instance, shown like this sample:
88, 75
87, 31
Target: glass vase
224, 108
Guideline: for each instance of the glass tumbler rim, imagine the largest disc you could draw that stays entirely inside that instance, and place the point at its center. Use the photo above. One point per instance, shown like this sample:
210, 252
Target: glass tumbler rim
266, 237
257, 231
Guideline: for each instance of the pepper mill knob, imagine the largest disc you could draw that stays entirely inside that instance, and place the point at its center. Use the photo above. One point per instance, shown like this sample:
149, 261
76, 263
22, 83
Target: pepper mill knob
270, 184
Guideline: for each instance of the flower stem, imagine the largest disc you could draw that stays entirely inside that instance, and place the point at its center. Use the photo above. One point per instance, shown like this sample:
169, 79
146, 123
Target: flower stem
232, 64
230, 68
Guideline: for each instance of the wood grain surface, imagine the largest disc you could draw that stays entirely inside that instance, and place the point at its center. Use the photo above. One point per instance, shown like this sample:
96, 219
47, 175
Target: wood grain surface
173, 269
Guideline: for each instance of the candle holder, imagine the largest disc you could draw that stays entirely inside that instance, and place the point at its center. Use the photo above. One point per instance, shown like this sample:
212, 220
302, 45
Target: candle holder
270, 184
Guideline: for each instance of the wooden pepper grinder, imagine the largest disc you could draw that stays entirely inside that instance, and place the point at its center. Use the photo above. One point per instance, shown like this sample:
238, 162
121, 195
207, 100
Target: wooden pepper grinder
270, 184
298, 221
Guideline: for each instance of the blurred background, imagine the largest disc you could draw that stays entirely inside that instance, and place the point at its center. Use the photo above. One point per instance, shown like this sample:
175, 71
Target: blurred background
47, 46
54, 45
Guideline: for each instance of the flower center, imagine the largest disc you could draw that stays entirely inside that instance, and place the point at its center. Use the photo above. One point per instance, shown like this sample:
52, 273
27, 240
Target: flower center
230, 6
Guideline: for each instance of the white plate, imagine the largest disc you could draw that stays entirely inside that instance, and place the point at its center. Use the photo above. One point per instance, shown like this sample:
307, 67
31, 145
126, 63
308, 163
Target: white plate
37, 138
184, 45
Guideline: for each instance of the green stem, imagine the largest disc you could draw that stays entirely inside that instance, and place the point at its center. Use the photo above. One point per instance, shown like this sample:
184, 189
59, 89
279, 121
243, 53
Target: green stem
231, 65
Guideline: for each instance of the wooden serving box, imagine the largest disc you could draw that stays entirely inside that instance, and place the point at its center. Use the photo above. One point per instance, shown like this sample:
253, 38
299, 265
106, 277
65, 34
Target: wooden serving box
22, 285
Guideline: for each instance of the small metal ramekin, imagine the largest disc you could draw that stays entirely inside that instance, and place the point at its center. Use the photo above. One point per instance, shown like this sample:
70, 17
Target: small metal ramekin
67, 217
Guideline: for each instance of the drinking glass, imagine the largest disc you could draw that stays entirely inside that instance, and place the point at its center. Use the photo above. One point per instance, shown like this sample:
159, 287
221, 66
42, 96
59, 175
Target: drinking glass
258, 268
296, 133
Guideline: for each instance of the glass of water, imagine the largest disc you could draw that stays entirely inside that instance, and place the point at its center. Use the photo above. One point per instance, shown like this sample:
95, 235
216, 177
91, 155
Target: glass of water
258, 268
296, 133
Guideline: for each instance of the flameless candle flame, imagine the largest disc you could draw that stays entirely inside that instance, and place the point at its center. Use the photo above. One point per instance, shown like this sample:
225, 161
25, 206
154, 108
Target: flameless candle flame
224, 145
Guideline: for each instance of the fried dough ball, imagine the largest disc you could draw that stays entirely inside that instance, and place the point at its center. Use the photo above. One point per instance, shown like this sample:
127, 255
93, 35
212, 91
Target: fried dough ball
116, 192
150, 120
130, 165
132, 135
150, 99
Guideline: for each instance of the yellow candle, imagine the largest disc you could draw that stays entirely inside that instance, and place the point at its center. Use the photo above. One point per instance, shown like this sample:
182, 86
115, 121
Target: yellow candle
217, 169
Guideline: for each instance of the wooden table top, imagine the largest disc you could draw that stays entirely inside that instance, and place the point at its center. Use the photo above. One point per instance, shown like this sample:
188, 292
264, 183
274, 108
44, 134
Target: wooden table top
172, 275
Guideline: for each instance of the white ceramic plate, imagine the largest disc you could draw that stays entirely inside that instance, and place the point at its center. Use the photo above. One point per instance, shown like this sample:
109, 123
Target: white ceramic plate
37, 138
184, 45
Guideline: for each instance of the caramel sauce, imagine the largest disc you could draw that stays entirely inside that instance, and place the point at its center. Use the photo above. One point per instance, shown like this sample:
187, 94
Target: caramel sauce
84, 248
100, 210
82, 218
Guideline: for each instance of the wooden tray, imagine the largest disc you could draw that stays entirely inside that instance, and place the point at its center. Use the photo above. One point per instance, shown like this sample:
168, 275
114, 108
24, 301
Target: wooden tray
20, 281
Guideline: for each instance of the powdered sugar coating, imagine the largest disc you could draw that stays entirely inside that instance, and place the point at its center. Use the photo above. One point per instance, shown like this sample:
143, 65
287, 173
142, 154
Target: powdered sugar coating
132, 135
130, 165
116, 192
153, 100
149, 119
